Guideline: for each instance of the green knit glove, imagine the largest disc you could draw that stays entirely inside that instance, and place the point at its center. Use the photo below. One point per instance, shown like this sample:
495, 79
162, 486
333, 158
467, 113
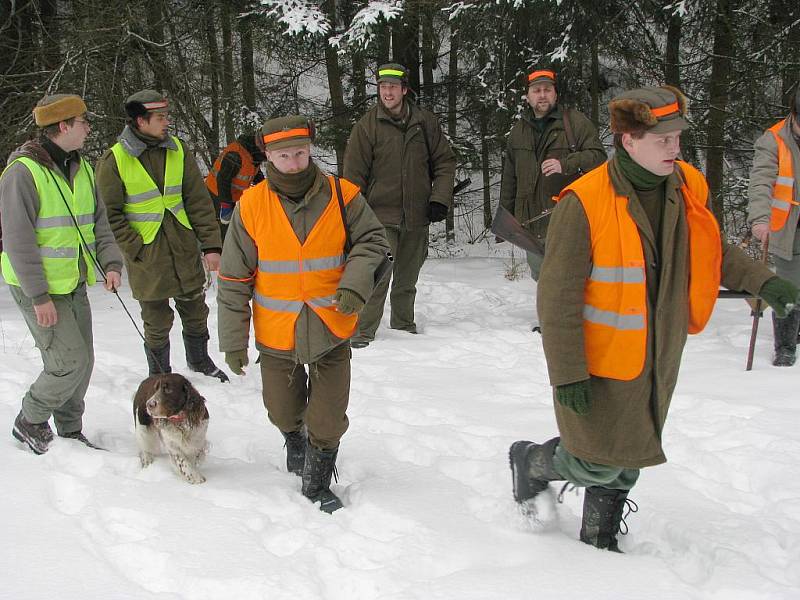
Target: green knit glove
348, 302
781, 295
237, 360
574, 396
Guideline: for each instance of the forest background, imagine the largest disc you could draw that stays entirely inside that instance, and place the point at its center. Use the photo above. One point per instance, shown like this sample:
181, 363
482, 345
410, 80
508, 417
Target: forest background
226, 65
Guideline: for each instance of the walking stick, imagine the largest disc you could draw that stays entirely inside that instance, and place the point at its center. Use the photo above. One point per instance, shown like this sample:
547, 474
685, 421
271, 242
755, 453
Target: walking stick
756, 313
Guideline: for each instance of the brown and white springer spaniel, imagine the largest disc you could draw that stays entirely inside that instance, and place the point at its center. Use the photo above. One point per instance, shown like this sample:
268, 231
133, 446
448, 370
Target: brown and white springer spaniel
170, 413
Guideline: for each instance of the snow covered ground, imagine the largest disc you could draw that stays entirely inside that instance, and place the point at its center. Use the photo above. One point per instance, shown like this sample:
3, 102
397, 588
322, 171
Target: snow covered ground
423, 472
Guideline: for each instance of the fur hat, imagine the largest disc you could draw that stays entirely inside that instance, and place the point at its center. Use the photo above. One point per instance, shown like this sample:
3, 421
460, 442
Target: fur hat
143, 102
284, 132
651, 109
57, 108
393, 73
537, 74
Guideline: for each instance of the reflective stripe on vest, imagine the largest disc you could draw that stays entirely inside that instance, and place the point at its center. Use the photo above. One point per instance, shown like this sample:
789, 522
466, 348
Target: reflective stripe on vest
144, 203
615, 295
56, 235
292, 275
783, 188
242, 180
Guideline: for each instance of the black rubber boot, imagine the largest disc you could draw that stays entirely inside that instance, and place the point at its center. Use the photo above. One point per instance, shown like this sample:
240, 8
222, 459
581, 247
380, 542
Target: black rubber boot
785, 335
602, 516
532, 467
197, 358
295, 451
36, 435
317, 471
157, 359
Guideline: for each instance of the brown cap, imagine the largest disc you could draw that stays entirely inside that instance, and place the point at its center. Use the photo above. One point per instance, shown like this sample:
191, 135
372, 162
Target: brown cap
651, 109
393, 73
283, 132
57, 108
539, 74
145, 101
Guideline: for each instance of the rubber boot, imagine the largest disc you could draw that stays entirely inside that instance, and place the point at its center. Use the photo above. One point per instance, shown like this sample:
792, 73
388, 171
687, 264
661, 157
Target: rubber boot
785, 335
197, 358
602, 515
295, 451
158, 359
532, 467
317, 471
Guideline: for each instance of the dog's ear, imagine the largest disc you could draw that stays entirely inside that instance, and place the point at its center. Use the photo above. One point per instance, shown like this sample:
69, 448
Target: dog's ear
195, 403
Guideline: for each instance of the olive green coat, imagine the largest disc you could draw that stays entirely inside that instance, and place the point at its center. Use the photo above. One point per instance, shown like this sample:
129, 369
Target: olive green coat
762, 177
240, 262
170, 265
624, 424
525, 191
391, 164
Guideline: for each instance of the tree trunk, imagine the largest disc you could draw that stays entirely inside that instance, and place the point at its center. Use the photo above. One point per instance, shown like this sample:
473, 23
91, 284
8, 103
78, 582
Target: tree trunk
428, 58
156, 52
245, 29
228, 102
452, 119
405, 43
214, 66
718, 104
51, 53
594, 86
338, 108
672, 74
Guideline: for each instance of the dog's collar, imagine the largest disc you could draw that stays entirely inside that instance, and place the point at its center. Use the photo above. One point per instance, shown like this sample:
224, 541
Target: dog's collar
177, 418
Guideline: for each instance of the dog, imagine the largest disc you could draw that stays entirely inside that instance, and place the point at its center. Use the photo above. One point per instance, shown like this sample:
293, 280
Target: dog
169, 413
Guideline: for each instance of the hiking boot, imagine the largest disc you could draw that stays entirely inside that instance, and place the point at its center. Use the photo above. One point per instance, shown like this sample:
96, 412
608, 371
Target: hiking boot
36, 435
359, 344
532, 467
197, 358
295, 451
785, 333
77, 435
317, 470
157, 359
602, 517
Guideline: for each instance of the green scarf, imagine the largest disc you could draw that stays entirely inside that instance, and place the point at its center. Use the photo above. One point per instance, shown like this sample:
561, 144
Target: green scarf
640, 178
292, 185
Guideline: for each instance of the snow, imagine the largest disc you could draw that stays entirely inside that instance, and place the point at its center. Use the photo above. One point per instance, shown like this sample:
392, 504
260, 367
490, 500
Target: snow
423, 472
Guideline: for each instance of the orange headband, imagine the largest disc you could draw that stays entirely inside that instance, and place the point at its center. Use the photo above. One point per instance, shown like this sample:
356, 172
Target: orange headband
663, 111
542, 73
289, 133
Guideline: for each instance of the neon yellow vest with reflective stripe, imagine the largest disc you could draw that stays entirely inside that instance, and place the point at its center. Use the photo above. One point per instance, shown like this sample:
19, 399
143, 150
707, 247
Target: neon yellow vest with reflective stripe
56, 234
144, 203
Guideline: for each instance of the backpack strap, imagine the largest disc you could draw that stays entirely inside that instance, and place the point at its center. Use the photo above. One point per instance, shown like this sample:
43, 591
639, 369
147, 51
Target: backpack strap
568, 130
348, 243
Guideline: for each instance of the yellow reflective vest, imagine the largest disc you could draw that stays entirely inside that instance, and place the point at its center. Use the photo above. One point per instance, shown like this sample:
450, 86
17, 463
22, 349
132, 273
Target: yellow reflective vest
56, 232
144, 203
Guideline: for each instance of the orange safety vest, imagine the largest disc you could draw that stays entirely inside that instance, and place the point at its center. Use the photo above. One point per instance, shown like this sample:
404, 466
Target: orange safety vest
783, 189
615, 296
291, 275
243, 178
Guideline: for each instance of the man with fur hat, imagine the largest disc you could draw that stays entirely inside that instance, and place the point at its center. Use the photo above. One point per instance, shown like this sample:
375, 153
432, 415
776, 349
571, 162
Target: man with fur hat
300, 256
774, 215
237, 167
56, 238
634, 263
163, 219
405, 167
548, 147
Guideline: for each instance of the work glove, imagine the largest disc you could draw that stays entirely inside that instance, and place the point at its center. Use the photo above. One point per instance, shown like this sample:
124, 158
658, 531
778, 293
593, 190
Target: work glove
236, 360
348, 302
574, 396
436, 211
780, 294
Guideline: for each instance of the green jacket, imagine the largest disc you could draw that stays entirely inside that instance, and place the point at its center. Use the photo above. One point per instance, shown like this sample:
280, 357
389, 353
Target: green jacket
393, 164
170, 265
624, 425
762, 177
524, 190
240, 261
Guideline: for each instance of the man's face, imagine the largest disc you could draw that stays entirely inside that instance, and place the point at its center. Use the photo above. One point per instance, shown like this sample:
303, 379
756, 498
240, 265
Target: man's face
391, 94
656, 152
293, 159
542, 97
157, 126
72, 137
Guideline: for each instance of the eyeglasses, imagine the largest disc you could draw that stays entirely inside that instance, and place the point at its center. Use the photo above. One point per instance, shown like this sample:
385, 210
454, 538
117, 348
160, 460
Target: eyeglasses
86, 122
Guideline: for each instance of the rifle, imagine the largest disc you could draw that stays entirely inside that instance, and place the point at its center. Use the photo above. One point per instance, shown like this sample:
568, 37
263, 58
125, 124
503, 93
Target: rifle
504, 225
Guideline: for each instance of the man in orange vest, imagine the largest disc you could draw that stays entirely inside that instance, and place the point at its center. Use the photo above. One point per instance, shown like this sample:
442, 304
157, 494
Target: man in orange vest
774, 214
634, 262
300, 256
237, 167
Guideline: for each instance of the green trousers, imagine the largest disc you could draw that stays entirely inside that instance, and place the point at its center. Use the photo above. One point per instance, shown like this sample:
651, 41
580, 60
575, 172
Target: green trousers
157, 316
67, 357
410, 249
317, 399
583, 473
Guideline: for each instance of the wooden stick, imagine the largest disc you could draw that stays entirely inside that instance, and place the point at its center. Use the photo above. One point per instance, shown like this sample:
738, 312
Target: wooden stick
756, 314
